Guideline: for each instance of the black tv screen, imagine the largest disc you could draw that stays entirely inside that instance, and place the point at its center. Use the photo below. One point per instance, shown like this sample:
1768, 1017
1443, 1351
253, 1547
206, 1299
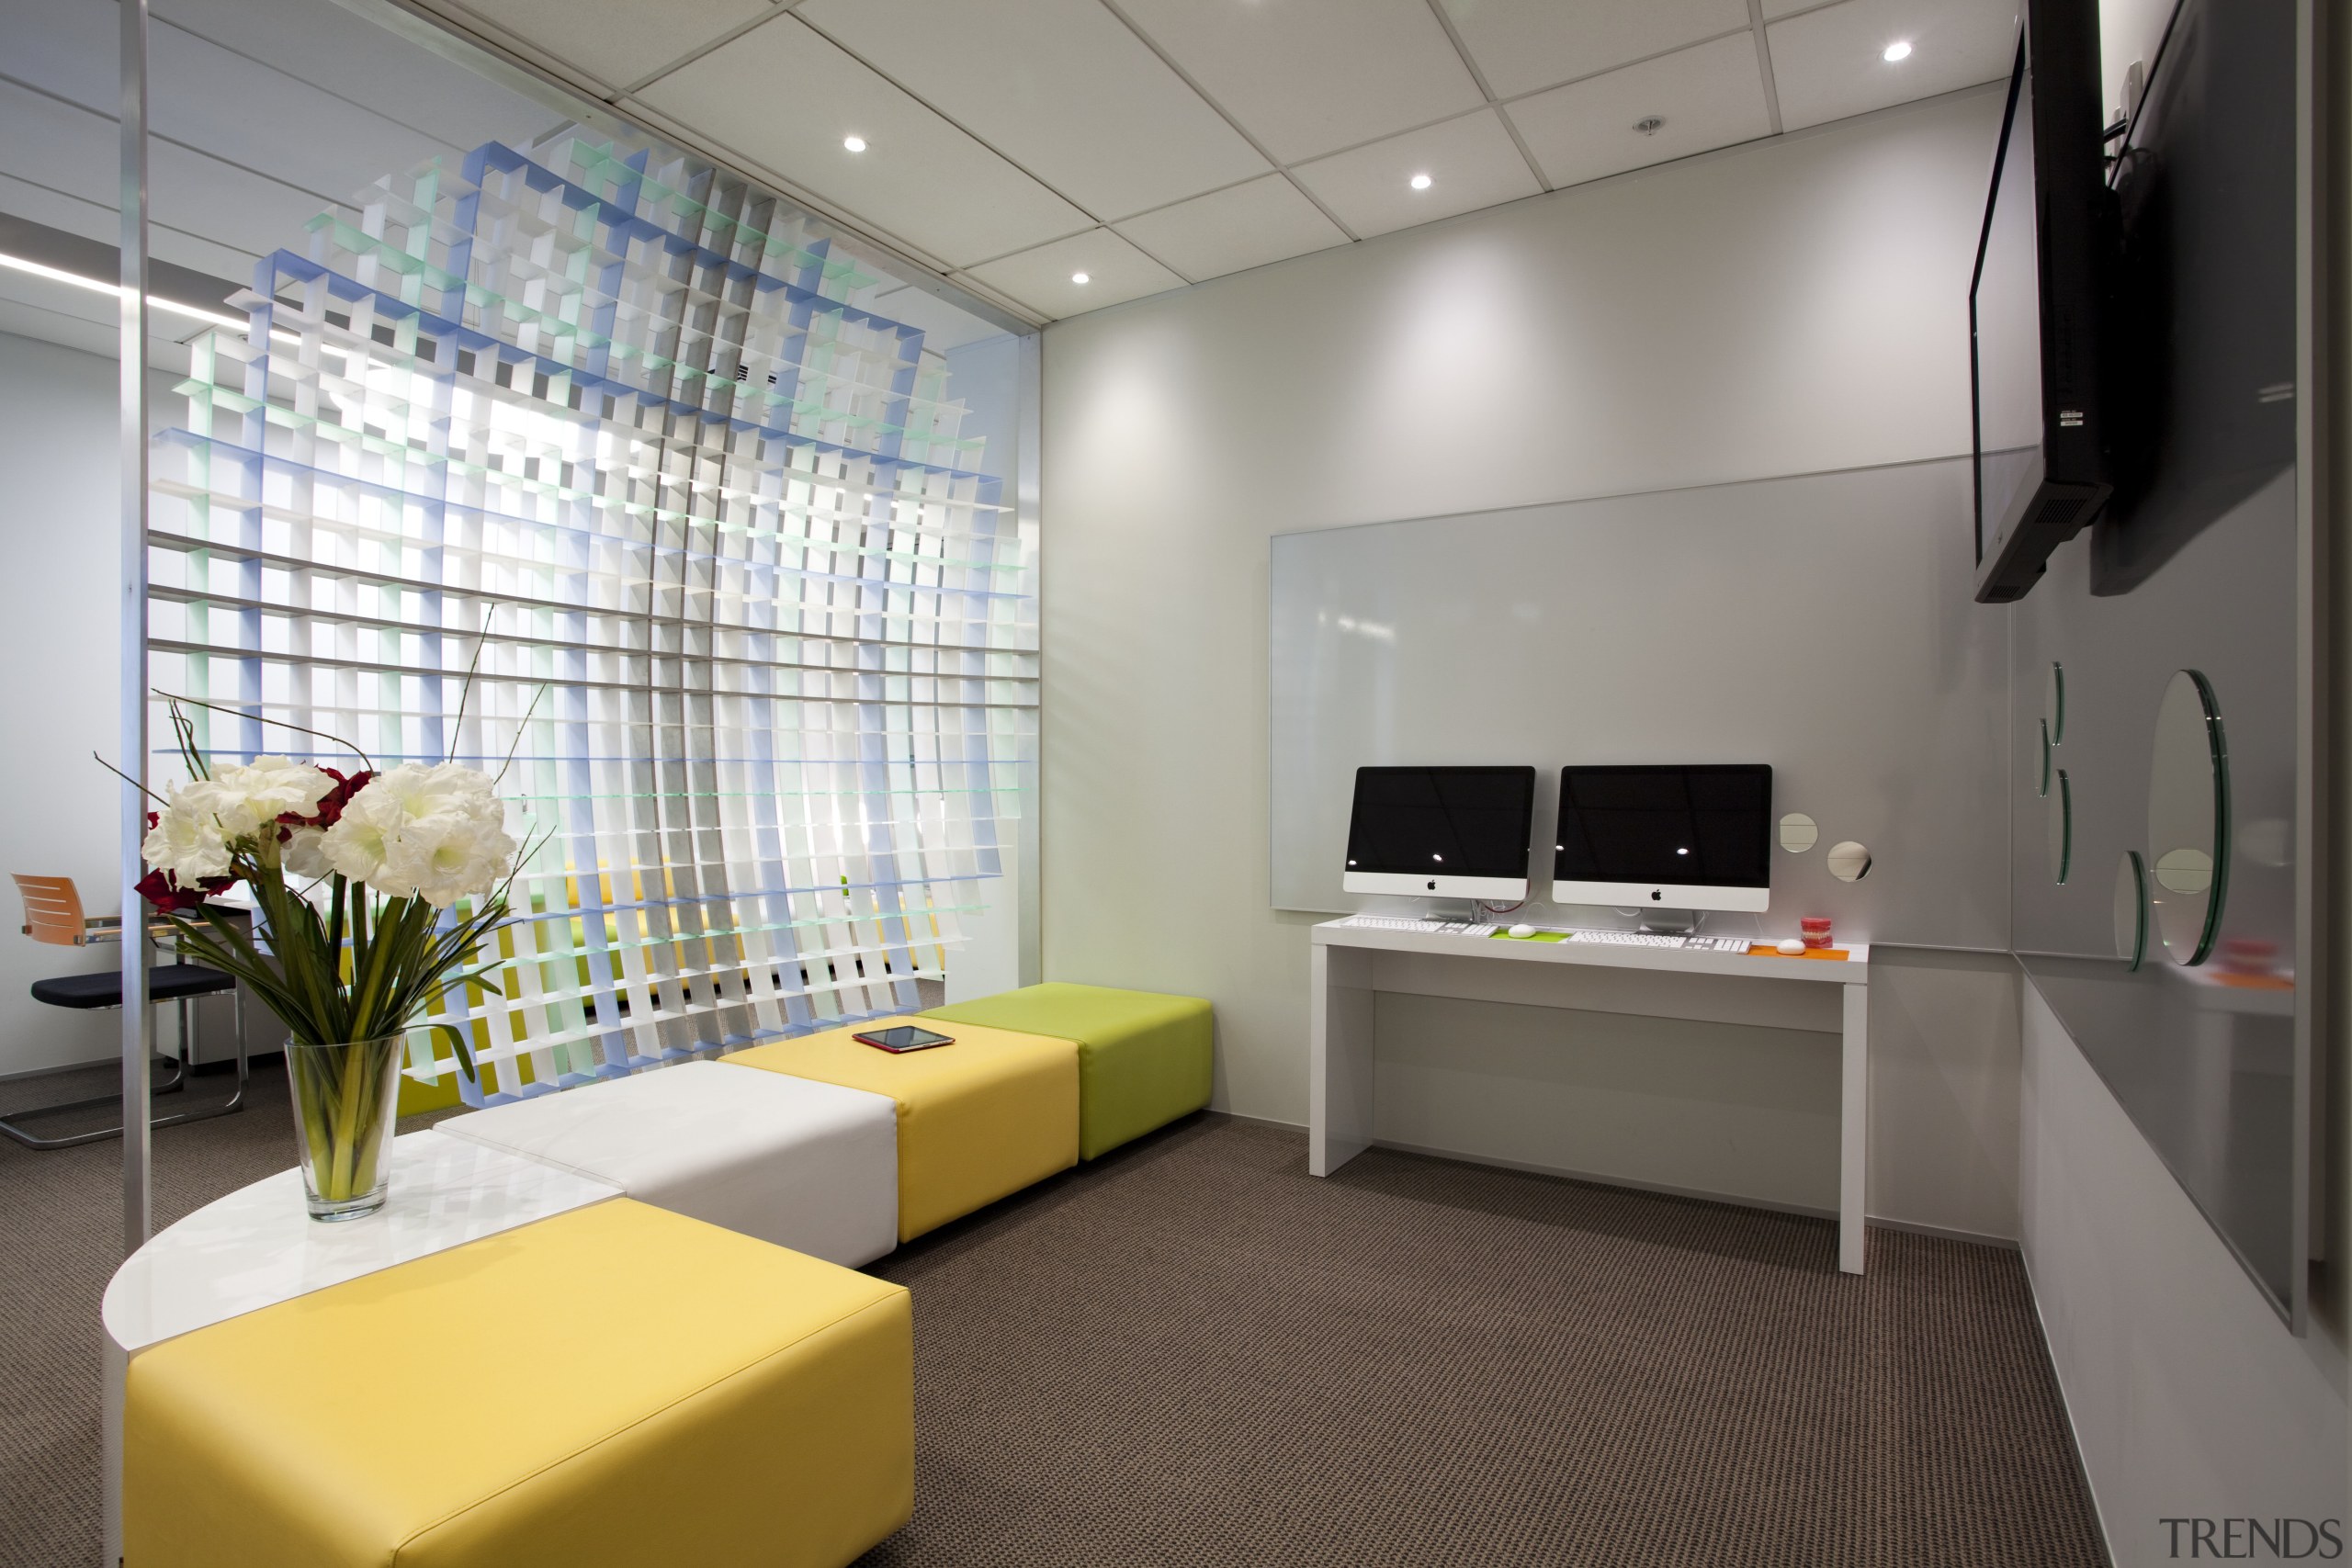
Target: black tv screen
2206, 312
2037, 302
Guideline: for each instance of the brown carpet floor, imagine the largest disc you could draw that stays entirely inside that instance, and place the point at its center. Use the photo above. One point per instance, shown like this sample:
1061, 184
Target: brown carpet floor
1191, 1352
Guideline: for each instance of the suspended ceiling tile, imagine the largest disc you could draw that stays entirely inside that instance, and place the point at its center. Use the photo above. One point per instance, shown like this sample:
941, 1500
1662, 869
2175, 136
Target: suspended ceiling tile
1062, 87
353, 58
945, 327
1520, 45
619, 42
1043, 279
97, 221
1306, 77
783, 97
1471, 163
1831, 64
203, 95
47, 142
1249, 225
1707, 97
57, 313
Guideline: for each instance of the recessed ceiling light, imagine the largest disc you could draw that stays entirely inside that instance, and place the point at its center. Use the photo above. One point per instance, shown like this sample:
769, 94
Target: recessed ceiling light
1898, 50
854, 143
1420, 182
1079, 277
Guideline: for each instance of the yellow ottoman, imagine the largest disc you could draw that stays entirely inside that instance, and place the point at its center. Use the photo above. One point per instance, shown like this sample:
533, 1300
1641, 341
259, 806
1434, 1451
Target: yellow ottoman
977, 1120
618, 1385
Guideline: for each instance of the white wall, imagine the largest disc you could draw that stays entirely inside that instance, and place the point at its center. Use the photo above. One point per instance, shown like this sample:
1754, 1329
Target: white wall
59, 523
2188, 1396
1790, 307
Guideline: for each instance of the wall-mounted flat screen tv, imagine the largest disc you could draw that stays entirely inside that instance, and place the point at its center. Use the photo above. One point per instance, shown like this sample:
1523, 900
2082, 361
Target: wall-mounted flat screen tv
2036, 303
2203, 343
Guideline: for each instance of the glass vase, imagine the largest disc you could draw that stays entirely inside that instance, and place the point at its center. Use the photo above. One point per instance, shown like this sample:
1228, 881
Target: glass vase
345, 1098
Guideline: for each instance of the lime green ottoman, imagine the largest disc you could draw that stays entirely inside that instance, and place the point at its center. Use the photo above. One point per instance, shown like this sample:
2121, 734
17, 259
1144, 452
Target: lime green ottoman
1143, 1058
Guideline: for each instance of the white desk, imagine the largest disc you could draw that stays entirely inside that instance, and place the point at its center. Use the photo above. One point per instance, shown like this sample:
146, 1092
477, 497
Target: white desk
1350, 962
258, 1247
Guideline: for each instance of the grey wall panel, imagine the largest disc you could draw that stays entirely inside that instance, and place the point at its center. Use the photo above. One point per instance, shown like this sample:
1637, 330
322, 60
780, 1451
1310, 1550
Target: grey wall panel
1822, 623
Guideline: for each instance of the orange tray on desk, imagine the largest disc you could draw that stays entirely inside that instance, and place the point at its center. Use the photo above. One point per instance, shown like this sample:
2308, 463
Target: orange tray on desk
1771, 950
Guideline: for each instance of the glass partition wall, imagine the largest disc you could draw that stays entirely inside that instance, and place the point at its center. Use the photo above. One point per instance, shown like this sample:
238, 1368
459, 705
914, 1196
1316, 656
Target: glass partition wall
543, 445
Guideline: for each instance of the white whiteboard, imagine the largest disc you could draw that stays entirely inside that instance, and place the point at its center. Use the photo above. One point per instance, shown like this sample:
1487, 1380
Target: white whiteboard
1823, 625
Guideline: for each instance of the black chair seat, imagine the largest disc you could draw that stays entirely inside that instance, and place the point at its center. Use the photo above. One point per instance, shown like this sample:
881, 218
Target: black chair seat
166, 983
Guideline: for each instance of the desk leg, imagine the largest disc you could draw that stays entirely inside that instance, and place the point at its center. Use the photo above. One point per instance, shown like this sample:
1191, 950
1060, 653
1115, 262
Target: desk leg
1854, 1129
1338, 1073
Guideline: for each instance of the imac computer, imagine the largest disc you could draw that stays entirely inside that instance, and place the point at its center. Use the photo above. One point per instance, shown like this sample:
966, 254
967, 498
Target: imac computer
1456, 833
1669, 838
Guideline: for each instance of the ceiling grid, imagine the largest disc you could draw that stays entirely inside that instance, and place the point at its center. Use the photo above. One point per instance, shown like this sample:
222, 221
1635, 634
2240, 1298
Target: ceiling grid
1012, 148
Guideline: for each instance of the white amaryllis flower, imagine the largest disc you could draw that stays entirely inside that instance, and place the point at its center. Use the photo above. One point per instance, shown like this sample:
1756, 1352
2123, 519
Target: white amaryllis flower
436, 831
304, 853
185, 842
206, 820
270, 787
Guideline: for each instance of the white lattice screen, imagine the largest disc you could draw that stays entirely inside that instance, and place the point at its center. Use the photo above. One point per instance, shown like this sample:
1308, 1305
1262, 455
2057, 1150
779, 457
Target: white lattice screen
760, 628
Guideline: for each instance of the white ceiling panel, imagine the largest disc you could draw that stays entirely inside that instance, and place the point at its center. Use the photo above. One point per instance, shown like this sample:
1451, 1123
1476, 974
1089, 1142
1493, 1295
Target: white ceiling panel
37, 321
1709, 96
1062, 87
1831, 64
1520, 45
46, 142
97, 221
1249, 225
61, 313
619, 42
345, 54
1471, 163
1045, 280
944, 326
200, 94
1307, 77
783, 97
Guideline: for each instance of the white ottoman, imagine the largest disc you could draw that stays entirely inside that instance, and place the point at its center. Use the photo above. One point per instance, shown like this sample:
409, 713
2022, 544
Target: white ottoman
808, 1166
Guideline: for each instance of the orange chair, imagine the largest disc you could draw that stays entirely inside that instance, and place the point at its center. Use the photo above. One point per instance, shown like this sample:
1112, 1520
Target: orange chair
53, 915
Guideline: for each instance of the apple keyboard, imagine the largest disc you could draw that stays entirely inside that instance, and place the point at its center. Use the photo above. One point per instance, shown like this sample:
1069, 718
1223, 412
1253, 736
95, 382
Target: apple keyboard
1407, 924
1656, 938
1613, 939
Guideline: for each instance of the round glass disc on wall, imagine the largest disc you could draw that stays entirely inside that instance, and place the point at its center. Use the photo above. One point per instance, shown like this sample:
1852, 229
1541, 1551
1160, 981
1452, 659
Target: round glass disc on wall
2188, 818
1798, 833
2060, 816
2132, 908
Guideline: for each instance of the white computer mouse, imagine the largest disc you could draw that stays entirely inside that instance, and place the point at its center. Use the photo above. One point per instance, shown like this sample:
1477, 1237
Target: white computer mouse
1522, 932
1791, 946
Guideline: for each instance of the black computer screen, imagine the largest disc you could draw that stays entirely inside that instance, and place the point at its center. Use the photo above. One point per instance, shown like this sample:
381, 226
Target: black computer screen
1441, 822
1701, 827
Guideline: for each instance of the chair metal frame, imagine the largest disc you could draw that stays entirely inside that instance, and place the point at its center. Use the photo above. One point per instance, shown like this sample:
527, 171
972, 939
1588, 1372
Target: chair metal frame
53, 915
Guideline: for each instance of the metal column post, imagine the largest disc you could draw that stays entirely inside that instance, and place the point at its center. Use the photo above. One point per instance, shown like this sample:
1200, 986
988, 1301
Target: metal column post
136, 1211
